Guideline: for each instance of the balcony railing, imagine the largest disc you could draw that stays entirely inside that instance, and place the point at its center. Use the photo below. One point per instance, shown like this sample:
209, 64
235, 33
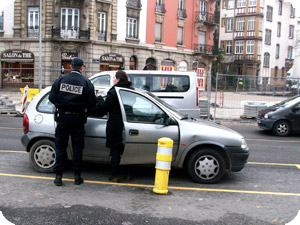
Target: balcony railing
102, 35
182, 13
160, 8
205, 49
248, 57
134, 4
33, 31
250, 10
207, 17
70, 33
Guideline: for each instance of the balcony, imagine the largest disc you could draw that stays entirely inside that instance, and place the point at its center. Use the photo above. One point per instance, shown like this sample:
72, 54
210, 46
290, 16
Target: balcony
70, 33
289, 64
102, 35
33, 32
251, 10
208, 18
182, 14
205, 49
135, 4
248, 57
160, 8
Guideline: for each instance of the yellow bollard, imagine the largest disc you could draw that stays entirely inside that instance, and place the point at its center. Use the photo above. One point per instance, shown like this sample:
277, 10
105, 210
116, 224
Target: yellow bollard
163, 165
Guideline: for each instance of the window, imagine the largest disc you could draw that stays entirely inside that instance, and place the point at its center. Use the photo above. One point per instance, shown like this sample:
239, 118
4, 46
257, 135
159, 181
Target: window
276, 73
101, 80
231, 4
131, 31
267, 60
180, 36
280, 7
229, 24
1, 21
181, 5
33, 22
259, 48
241, 3
268, 36
224, 4
251, 23
252, 3
269, 13
278, 29
291, 31
223, 22
240, 24
158, 29
292, 12
45, 106
277, 51
102, 26
239, 47
140, 109
250, 47
69, 23
228, 47
282, 72
290, 52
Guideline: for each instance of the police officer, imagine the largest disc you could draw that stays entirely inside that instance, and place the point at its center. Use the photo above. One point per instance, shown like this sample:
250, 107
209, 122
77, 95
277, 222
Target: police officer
73, 95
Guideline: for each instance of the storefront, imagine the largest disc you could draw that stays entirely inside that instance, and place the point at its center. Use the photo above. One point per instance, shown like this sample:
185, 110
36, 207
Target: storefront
66, 59
17, 68
200, 68
167, 65
111, 62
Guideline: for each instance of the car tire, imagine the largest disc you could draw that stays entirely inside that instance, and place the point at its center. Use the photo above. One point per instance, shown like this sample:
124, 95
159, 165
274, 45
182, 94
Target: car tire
42, 156
206, 166
282, 128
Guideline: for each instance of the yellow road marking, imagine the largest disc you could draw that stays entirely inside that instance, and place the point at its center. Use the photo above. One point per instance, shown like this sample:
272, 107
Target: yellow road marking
270, 140
11, 128
14, 151
152, 186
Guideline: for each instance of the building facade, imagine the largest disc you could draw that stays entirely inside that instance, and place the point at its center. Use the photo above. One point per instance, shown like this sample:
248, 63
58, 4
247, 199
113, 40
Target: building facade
257, 37
107, 34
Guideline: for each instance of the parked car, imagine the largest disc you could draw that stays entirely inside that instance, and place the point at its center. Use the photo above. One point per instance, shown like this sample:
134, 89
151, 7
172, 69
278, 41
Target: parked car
204, 148
179, 89
282, 118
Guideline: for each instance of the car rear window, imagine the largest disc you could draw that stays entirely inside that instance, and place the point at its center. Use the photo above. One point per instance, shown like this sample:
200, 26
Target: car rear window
45, 105
161, 83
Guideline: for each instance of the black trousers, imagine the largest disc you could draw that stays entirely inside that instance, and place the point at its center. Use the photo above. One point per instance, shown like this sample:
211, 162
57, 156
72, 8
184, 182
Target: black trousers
69, 125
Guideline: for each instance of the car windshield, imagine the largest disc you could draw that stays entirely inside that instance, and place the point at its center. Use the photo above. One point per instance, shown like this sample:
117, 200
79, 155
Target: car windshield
172, 108
289, 102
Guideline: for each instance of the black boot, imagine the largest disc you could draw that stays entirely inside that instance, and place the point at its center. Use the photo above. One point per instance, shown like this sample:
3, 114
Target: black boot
58, 181
78, 179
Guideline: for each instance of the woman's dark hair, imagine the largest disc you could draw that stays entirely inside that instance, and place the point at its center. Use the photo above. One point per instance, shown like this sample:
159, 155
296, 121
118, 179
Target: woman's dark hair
122, 76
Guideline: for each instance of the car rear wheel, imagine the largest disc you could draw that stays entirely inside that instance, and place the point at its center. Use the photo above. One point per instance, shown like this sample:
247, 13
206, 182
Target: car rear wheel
206, 166
42, 156
282, 128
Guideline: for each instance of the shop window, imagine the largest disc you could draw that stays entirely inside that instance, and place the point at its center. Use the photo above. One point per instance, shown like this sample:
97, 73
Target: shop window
132, 63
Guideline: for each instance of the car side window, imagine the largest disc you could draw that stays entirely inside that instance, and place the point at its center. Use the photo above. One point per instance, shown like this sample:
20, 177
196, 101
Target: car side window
45, 106
170, 83
140, 109
101, 80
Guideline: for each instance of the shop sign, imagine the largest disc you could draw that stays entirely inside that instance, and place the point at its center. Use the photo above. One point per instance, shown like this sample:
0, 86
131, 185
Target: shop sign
17, 56
96, 61
111, 58
68, 56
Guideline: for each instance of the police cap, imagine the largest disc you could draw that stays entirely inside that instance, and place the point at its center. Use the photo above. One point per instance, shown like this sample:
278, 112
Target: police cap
77, 61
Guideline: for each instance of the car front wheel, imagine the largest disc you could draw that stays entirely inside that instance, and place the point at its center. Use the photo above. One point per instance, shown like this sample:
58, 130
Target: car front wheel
42, 156
206, 166
282, 128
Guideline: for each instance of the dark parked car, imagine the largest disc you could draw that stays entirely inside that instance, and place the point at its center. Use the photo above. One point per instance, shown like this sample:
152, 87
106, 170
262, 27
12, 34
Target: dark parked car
282, 118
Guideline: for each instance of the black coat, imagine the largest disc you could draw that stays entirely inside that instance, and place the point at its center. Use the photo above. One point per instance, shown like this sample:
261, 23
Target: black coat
115, 125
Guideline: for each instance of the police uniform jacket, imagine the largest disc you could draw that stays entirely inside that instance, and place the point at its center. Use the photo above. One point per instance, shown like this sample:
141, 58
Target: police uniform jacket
73, 93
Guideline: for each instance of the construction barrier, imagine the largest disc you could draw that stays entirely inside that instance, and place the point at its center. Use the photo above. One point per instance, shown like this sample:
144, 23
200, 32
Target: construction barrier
163, 165
32, 92
24, 99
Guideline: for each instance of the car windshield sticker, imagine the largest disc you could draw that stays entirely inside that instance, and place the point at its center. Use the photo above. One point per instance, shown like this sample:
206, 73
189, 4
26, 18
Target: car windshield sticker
71, 88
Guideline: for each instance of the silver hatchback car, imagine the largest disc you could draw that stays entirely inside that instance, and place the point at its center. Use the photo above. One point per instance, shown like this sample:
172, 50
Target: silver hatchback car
204, 148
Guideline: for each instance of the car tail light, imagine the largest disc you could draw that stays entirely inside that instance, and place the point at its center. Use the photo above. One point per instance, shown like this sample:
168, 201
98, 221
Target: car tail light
25, 123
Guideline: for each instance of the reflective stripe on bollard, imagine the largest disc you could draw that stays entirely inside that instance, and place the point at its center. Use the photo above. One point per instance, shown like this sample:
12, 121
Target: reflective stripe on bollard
163, 165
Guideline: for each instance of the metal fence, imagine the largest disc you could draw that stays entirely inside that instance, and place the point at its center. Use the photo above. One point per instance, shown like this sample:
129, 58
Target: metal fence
223, 97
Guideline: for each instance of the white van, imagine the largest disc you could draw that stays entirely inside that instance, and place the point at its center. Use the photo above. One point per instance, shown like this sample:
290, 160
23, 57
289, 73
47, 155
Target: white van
179, 89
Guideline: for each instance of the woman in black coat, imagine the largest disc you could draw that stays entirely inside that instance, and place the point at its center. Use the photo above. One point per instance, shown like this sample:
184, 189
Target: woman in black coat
115, 125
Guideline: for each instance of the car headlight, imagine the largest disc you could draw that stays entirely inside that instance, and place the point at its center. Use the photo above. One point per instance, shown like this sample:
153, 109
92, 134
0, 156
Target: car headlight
244, 144
266, 116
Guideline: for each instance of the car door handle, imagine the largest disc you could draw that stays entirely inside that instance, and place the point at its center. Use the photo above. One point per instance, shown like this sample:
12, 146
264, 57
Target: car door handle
133, 132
